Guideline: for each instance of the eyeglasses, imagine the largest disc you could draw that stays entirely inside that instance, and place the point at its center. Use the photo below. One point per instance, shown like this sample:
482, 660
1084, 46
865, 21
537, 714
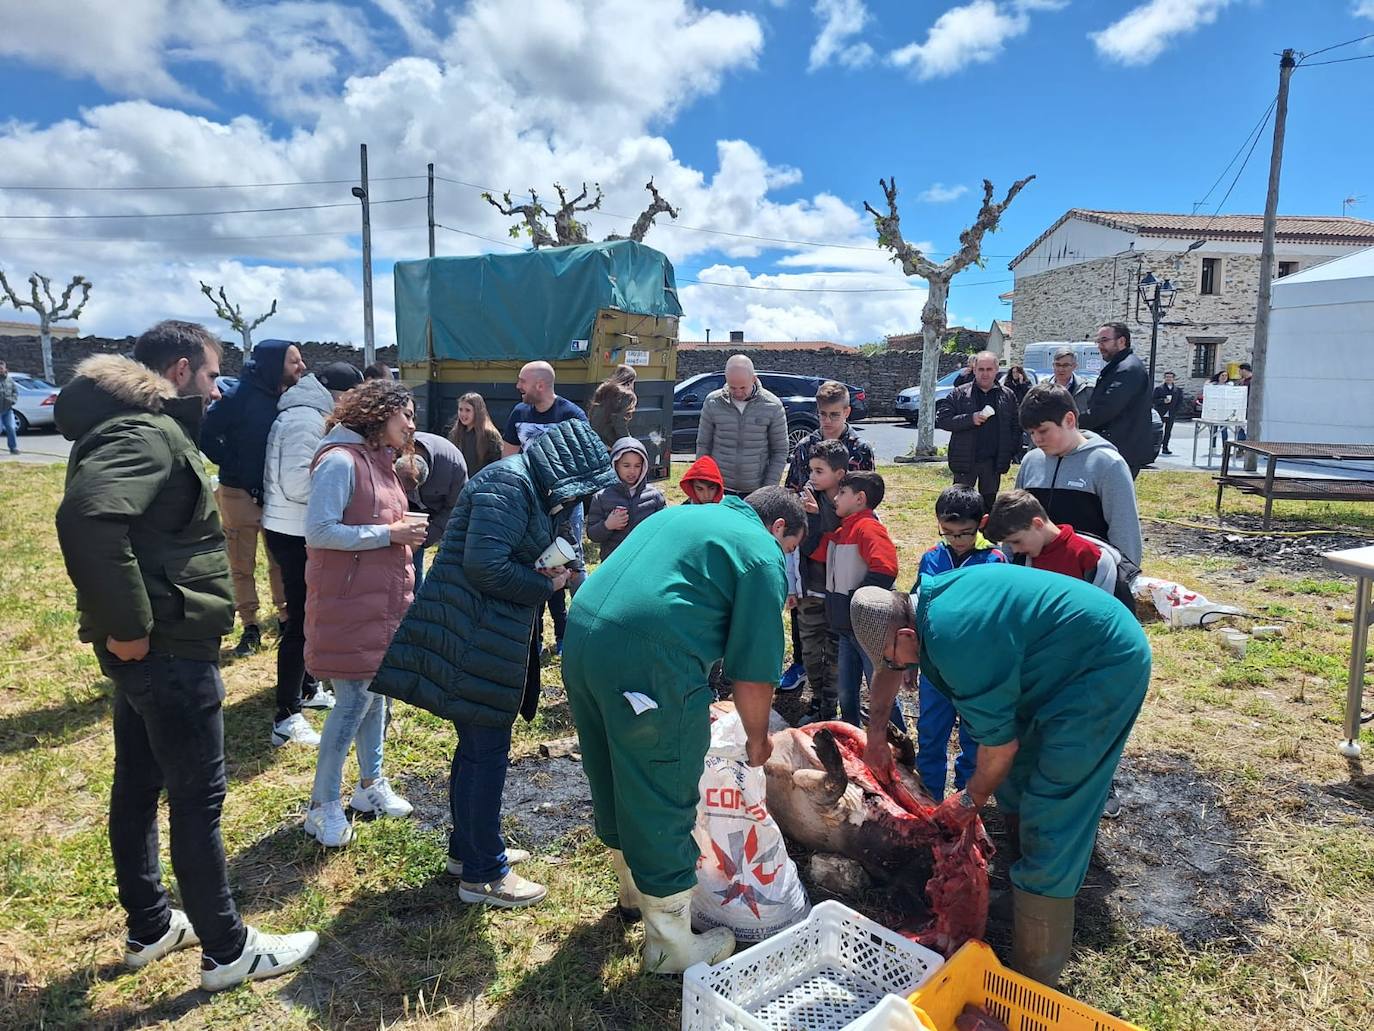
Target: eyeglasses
962, 535
1065, 365
832, 416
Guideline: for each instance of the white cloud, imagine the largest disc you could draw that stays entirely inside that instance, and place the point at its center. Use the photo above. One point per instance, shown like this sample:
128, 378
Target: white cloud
1363, 9
1146, 31
939, 193
410, 17
497, 106
841, 20
974, 33
776, 314
288, 53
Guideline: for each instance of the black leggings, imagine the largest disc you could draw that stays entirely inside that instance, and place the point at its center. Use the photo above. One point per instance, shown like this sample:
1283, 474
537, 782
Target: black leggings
290, 554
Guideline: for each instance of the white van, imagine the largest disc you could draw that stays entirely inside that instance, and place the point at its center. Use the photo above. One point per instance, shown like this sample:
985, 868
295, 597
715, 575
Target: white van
1040, 356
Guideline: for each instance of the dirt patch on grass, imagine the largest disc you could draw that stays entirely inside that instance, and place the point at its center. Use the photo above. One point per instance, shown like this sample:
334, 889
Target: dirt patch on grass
545, 800
1257, 553
1173, 860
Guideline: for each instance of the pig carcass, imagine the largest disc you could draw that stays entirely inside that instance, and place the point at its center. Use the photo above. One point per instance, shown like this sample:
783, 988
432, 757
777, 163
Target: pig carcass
826, 798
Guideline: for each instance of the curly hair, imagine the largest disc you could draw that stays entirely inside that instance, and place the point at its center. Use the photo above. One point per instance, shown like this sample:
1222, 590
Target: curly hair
366, 408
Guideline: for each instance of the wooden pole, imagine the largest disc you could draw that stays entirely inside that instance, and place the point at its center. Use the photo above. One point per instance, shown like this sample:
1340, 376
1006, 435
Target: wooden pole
431, 209
1259, 353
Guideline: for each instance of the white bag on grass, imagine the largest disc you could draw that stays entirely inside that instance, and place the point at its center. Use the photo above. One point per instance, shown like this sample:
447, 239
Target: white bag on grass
1180, 605
746, 881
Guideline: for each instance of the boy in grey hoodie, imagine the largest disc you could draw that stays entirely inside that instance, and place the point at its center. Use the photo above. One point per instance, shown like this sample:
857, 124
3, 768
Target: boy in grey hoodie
619, 508
1078, 477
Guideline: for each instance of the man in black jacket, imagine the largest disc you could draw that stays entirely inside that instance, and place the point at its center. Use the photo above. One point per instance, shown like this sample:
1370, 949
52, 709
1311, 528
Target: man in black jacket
234, 437
1119, 408
1168, 399
980, 445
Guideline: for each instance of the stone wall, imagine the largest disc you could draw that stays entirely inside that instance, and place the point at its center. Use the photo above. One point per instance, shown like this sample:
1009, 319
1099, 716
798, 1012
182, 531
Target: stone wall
882, 375
1069, 303
24, 354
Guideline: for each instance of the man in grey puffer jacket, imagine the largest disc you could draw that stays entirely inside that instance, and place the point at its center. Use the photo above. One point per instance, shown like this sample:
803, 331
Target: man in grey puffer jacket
744, 428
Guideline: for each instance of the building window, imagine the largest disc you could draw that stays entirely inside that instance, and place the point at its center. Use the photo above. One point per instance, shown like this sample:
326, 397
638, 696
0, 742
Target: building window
1204, 360
1287, 268
1211, 276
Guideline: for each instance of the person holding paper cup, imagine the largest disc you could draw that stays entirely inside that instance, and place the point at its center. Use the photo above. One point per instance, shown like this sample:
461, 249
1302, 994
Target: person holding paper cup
690, 585
463, 652
984, 434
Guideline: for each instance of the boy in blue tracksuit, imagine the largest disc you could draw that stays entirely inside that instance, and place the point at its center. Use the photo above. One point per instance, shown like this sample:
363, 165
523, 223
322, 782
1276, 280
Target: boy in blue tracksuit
959, 512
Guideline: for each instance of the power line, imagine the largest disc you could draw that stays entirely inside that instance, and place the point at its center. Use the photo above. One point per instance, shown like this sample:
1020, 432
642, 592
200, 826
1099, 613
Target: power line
198, 239
197, 214
208, 186
478, 236
1336, 46
834, 290
1339, 60
1257, 129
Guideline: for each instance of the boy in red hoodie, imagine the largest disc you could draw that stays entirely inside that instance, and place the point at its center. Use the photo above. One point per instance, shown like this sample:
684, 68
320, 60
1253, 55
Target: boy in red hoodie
702, 483
859, 554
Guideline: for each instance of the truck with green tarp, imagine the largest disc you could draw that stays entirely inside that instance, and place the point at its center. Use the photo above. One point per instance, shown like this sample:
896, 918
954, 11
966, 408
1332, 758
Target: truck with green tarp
469, 324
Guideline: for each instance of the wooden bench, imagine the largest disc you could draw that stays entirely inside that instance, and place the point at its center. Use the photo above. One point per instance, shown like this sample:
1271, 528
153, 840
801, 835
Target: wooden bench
1294, 488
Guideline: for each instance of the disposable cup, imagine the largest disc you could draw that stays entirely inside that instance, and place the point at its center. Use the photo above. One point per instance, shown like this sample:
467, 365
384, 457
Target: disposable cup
417, 518
1235, 642
1266, 631
559, 553
988, 411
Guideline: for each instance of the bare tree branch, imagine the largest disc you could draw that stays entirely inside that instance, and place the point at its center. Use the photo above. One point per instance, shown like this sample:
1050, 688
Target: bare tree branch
263, 318
9, 291
49, 310
533, 213
60, 313
568, 228
233, 314
645, 221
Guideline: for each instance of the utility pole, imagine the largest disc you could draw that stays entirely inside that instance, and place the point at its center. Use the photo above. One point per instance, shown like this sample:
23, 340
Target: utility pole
1260, 351
369, 340
431, 209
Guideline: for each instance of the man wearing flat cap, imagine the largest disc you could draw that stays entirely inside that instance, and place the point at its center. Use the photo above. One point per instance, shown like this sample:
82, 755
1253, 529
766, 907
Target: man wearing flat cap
1048, 673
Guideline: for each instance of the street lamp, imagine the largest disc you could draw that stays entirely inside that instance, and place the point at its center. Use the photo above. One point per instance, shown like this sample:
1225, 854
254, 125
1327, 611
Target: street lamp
1158, 297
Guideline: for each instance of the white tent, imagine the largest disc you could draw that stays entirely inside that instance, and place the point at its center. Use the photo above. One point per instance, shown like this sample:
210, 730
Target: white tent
1319, 385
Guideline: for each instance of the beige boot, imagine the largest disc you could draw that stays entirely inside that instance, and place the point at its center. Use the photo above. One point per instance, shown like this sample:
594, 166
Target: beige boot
1041, 936
629, 901
670, 947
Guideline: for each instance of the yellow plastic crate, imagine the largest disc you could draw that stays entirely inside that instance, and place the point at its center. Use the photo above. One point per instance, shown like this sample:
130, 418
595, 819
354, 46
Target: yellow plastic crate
973, 975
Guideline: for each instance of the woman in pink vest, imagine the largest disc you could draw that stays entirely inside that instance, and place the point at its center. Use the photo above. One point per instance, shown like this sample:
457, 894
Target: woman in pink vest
359, 581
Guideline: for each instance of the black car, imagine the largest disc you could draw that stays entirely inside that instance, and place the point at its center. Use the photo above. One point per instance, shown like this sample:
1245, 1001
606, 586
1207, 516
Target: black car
797, 394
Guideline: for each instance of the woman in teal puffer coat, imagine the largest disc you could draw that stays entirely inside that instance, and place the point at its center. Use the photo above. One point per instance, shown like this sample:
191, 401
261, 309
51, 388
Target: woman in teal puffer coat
463, 650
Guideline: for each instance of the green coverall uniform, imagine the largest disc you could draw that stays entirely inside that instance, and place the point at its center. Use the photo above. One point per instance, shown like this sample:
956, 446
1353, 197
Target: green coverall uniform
689, 585
1056, 664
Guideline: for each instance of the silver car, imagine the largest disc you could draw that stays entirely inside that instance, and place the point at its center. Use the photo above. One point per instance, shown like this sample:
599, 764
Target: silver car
36, 400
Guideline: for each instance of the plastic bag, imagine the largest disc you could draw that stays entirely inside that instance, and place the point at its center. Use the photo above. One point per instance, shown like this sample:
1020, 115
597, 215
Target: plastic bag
1179, 605
746, 881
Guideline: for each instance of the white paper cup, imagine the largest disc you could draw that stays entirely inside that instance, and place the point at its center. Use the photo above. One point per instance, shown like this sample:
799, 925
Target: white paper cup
1235, 642
988, 411
559, 553
416, 518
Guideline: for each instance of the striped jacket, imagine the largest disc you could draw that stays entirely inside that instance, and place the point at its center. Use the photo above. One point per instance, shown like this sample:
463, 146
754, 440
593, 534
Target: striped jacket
858, 554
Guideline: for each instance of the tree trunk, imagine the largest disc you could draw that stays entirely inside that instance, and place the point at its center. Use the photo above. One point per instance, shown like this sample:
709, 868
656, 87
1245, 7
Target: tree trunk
45, 340
933, 323
247, 342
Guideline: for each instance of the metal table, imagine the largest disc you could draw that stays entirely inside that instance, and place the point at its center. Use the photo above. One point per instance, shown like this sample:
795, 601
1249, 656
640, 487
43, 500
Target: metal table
1294, 488
1212, 426
1359, 563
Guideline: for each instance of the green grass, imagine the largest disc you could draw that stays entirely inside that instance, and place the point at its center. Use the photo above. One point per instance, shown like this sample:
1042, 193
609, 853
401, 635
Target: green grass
400, 951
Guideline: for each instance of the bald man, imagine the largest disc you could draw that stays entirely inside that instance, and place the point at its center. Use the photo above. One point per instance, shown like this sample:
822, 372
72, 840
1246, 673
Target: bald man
744, 428
539, 408
981, 420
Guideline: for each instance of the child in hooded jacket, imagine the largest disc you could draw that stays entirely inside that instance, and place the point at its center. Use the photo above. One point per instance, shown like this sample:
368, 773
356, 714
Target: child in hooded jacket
703, 483
619, 508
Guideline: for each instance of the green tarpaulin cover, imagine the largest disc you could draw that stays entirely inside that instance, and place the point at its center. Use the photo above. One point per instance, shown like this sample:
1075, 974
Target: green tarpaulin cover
536, 304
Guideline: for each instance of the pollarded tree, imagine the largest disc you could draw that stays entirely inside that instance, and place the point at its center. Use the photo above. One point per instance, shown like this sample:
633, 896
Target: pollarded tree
567, 228
914, 263
233, 314
48, 309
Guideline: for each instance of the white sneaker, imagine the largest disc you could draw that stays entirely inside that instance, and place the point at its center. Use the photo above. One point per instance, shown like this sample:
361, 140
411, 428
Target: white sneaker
263, 956
513, 856
180, 935
379, 798
321, 699
294, 729
328, 825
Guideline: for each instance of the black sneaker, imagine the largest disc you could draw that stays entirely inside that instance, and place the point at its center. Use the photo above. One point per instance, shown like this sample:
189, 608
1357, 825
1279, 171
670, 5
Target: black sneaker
1112, 809
249, 643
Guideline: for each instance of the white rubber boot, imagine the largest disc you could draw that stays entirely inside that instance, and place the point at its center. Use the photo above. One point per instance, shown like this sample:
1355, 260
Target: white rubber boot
629, 902
670, 947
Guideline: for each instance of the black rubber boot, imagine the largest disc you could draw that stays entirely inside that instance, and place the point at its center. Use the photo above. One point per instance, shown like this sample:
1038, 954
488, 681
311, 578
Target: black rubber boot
1041, 936
249, 643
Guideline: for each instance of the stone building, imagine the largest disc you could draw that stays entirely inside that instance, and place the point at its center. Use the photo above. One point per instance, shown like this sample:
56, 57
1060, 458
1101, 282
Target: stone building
1085, 269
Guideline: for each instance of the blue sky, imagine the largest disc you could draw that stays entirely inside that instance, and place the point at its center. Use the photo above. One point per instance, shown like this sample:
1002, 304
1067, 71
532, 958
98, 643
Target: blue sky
766, 118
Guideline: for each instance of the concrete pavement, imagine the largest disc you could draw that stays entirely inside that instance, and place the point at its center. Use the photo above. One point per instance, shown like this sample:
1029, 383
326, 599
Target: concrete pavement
38, 447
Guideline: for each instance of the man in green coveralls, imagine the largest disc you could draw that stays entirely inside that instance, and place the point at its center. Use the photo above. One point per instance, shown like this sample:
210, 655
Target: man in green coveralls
1048, 673
690, 585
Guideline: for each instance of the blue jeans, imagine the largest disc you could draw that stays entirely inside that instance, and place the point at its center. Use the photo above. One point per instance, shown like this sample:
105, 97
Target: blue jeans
11, 426
475, 784
853, 668
933, 727
358, 715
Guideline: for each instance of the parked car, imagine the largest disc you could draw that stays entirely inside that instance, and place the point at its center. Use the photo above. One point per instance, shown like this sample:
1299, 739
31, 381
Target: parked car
908, 403
36, 399
797, 394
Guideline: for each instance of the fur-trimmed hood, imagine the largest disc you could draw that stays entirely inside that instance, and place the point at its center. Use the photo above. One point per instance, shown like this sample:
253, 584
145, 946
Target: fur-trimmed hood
107, 384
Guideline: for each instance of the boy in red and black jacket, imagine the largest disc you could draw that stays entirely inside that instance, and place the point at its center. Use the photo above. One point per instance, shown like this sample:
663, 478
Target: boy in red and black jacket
859, 554
702, 482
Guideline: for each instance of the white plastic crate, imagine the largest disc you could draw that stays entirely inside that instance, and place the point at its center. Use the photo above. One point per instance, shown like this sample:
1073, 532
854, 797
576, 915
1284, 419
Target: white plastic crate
892, 1014
823, 974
